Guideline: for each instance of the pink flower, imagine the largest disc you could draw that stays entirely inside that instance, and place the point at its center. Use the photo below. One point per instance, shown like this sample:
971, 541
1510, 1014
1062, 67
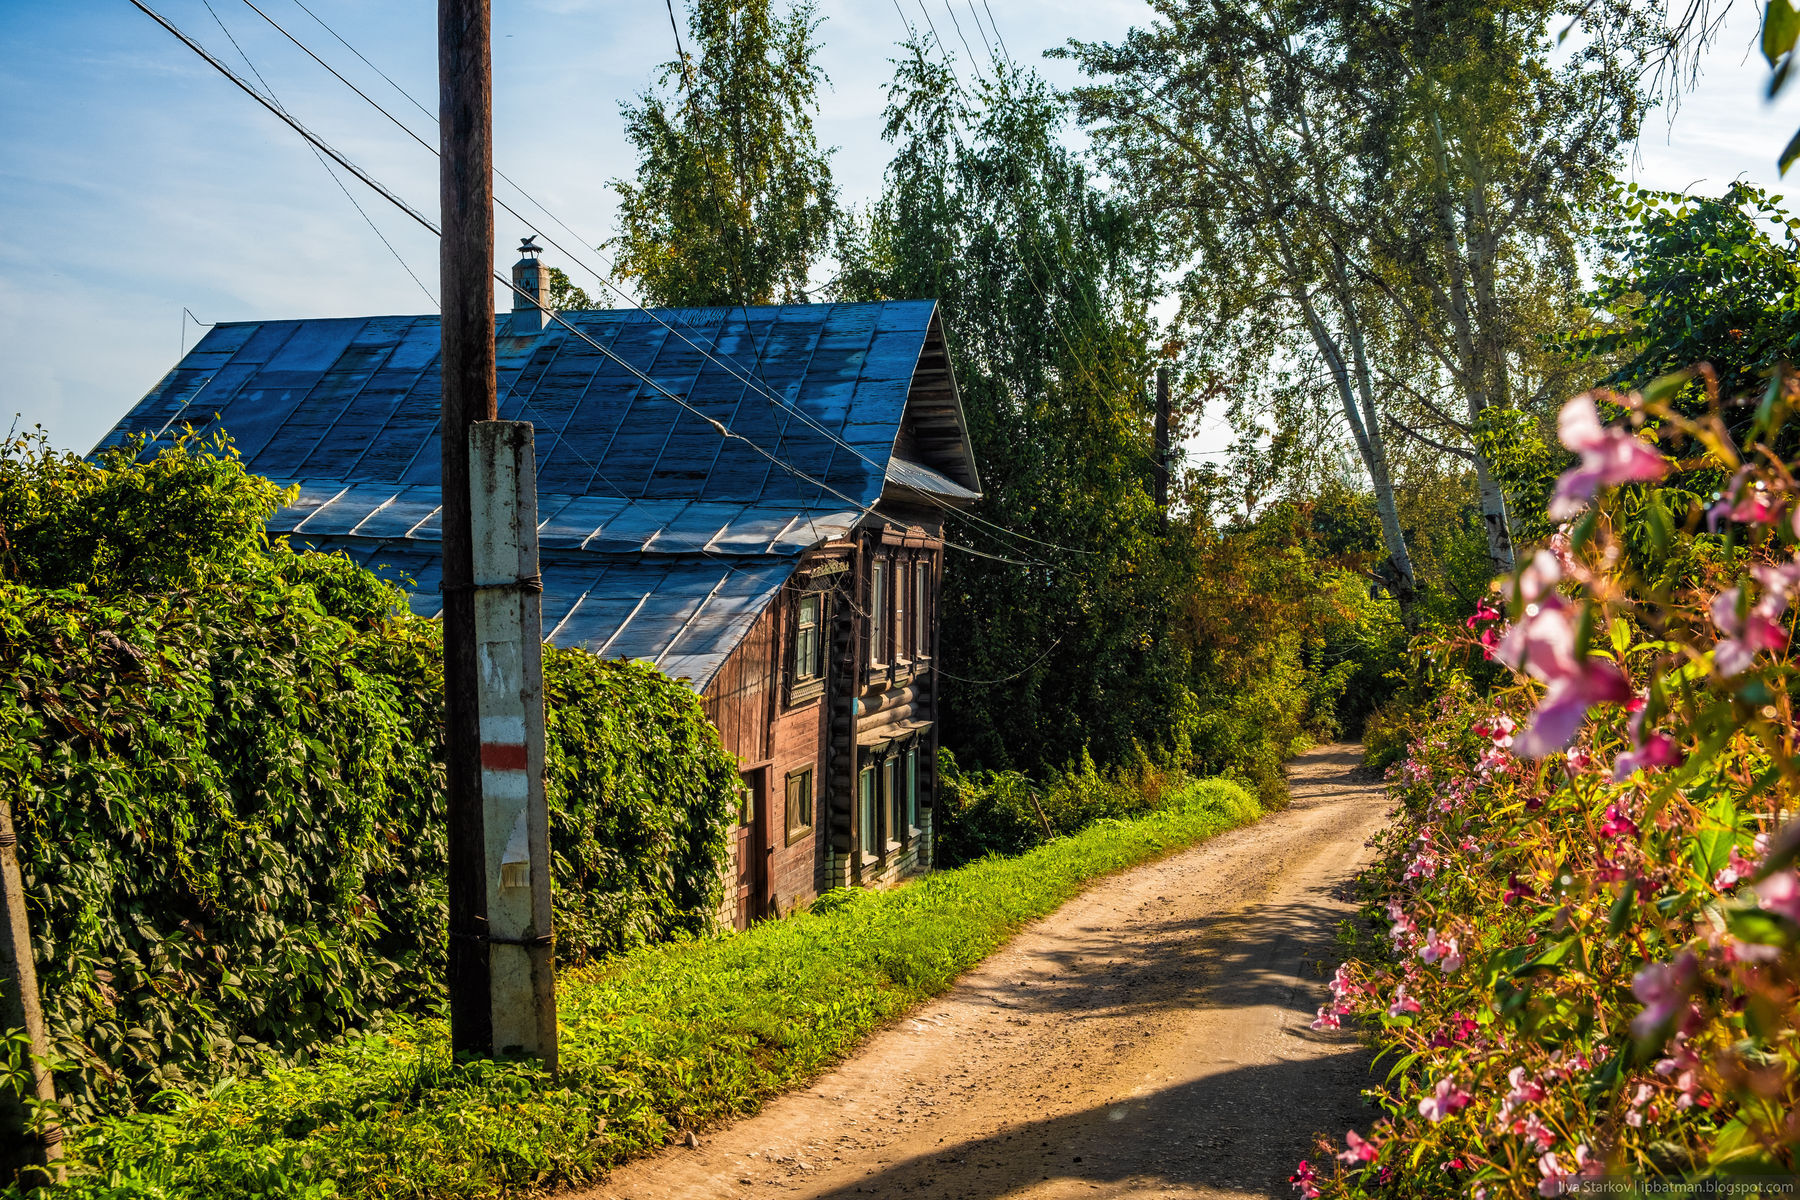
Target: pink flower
1516, 891
1305, 1179
1342, 985
1403, 1003
1556, 1179
1357, 1150
1617, 824
1446, 950
1537, 580
1327, 1018
1609, 455
1754, 504
1780, 893
1663, 988
1445, 1098
1534, 1130
1759, 629
1734, 872
1524, 1090
1655, 751
1542, 645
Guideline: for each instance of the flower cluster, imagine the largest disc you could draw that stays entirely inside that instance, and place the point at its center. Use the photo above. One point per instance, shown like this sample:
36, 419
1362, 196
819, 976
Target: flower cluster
1591, 960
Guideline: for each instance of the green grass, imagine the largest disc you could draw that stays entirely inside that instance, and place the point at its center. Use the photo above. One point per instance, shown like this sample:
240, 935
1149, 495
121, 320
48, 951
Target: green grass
658, 1041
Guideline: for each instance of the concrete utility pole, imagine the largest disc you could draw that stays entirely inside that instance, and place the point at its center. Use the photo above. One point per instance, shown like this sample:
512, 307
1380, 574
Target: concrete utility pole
1162, 444
466, 263
509, 652
25, 1157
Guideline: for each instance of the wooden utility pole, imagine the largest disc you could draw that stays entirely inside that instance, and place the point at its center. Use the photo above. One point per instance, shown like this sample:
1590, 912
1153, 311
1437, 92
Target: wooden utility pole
1162, 444
27, 1156
466, 264
509, 646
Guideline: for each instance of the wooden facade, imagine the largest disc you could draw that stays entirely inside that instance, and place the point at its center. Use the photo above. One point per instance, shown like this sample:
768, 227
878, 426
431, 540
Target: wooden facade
839, 775
751, 498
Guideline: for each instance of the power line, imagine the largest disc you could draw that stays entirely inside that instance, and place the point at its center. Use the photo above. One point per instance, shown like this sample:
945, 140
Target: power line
292, 123
319, 143
1035, 663
959, 34
991, 21
1079, 358
368, 220
751, 379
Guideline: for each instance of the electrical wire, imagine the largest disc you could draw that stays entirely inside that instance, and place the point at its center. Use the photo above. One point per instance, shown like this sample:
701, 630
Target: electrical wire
1005, 678
319, 143
1087, 352
752, 380
323, 163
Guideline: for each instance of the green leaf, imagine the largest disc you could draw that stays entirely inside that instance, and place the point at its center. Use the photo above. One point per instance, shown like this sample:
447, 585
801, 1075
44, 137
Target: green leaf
1622, 909
1665, 386
1789, 153
1780, 25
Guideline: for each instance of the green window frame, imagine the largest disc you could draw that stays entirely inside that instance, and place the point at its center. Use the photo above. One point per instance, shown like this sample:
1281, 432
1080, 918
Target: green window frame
890, 798
799, 805
809, 638
922, 610
866, 810
878, 613
912, 789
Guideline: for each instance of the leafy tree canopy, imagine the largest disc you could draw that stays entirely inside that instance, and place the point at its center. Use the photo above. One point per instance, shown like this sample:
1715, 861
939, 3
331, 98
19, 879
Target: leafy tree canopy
1045, 282
1696, 279
733, 201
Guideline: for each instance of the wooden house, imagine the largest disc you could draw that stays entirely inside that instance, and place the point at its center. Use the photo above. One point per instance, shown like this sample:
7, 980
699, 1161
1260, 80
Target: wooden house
780, 548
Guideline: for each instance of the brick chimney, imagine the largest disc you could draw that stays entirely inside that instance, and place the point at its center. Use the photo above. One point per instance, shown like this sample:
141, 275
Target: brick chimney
531, 290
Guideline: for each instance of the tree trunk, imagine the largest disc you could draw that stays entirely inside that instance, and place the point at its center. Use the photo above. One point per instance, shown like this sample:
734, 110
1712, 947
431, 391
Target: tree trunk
1494, 519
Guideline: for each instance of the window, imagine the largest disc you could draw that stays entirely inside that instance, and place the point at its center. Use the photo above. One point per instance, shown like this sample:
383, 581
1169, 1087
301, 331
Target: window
922, 609
866, 810
799, 804
890, 798
903, 632
809, 646
878, 612
912, 789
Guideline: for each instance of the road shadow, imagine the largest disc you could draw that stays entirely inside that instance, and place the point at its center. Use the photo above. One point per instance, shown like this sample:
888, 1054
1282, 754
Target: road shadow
1241, 1131
1277, 955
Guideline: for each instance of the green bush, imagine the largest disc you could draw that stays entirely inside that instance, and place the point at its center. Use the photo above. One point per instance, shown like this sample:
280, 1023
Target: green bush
666, 1038
223, 758
981, 812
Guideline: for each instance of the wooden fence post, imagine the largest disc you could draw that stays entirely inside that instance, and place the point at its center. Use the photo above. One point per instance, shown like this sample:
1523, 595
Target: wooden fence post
22, 1152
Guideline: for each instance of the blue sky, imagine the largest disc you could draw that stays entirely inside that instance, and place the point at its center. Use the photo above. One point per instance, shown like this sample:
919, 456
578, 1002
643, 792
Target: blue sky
134, 181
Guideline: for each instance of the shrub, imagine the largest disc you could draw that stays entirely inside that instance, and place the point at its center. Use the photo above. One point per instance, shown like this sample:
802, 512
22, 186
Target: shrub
223, 759
1002, 812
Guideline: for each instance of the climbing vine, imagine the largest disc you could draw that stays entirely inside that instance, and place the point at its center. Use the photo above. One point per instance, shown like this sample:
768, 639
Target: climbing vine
224, 760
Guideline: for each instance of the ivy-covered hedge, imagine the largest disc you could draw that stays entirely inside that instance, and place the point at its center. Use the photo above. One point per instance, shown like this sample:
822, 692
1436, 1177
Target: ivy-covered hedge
223, 757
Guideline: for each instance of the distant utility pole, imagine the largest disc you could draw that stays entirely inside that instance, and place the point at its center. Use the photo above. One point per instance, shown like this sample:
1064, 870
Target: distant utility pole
26, 1157
1162, 444
466, 263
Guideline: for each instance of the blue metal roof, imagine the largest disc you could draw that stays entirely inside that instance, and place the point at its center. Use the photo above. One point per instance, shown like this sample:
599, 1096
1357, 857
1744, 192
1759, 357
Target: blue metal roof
661, 539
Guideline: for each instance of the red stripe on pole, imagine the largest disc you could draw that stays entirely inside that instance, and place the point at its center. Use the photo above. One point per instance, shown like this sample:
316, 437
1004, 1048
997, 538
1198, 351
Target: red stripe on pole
502, 756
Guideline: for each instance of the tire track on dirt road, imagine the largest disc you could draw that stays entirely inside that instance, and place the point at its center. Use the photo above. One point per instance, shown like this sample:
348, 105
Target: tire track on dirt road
1150, 1038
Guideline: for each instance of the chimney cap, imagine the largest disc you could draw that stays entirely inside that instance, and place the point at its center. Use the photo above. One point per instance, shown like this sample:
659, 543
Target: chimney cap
528, 245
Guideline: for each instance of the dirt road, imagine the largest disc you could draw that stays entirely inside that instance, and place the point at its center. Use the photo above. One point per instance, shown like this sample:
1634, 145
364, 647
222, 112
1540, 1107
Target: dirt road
1150, 1038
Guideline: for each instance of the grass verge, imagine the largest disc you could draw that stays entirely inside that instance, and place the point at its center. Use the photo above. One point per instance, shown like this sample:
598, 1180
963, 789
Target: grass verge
654, 1042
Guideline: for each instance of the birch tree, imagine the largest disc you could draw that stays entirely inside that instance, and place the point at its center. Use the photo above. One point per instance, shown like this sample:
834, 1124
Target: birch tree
1390, 190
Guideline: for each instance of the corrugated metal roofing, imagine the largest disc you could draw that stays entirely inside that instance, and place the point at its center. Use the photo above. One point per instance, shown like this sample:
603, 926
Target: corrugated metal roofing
660, 538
